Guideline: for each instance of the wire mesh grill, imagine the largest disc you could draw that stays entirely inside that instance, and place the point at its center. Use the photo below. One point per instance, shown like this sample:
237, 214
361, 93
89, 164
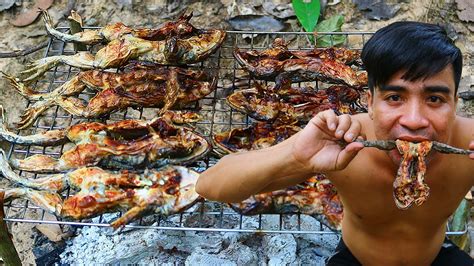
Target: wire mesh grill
217, 117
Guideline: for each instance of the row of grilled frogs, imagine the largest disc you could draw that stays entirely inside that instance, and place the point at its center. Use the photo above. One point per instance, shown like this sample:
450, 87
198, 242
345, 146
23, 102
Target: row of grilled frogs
175, 43
138, 85
166, 191
152, 146
128, 144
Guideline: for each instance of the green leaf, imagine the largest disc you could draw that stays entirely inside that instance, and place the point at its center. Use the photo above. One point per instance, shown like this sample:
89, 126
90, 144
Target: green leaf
332, 24
307, 12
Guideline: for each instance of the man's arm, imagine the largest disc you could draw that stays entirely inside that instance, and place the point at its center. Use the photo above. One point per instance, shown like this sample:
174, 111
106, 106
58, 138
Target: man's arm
238, 176
315, 149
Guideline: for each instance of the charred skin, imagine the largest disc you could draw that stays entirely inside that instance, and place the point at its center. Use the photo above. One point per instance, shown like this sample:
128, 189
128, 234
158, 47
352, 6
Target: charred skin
315, 197
137, 87
257, 136
132, 74
166, 191
126, 129
180, 28
294, 104
126, 144
175, 49
279, 50
409, 185
283, 66
170, 190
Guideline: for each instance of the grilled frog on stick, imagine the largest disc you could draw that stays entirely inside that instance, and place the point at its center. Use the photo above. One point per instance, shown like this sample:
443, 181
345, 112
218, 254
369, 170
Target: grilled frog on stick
137, 86
176, 45
409, 186
126, 144
166, 191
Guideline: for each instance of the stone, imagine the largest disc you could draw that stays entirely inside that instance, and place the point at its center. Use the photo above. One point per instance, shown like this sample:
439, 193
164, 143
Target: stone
465, 10
200, 257
280, 249
240, 254
6, 4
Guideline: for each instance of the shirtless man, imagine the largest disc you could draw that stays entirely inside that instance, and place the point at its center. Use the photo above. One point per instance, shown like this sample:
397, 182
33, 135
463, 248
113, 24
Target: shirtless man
414, 72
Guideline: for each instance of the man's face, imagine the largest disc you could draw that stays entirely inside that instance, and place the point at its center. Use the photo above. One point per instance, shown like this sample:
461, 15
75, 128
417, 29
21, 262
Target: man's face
415, 111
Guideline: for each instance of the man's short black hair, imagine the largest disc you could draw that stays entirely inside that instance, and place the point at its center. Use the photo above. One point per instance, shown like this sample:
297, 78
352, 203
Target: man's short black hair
422, 49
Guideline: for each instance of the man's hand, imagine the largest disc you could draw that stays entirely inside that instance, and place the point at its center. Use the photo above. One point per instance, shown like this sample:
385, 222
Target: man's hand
318, 147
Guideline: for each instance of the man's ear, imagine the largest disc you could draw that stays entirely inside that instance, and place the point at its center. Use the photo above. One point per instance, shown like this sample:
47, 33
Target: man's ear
370, 99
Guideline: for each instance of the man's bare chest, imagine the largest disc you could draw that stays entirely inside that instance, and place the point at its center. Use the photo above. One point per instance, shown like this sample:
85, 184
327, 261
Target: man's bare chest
368, 196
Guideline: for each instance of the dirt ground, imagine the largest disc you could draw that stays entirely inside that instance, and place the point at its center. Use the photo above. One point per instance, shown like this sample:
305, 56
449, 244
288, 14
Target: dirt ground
207, 14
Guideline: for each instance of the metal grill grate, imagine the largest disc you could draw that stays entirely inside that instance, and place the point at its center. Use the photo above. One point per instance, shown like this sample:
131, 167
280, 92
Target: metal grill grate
218, 117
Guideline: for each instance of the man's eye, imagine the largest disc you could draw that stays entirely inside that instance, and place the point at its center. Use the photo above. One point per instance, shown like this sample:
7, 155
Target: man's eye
394, 98
434, 99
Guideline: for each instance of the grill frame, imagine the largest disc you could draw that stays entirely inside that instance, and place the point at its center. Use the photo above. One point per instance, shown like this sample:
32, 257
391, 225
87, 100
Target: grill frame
217, 116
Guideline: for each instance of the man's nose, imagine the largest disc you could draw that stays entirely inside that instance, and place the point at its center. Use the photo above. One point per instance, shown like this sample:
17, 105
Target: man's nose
414, 117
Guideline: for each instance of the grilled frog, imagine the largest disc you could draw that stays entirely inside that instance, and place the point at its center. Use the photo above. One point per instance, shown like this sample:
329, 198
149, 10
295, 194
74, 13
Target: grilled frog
257, 136
295, 103
137, 86
183, 44
315, 197
127, 144
409, 186
166, 191
283, 66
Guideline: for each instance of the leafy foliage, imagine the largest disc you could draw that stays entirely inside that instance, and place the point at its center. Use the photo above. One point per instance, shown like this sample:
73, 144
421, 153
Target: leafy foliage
307, 12
332, 24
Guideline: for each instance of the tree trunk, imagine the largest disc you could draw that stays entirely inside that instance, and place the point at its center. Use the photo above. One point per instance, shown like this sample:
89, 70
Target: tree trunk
7, 249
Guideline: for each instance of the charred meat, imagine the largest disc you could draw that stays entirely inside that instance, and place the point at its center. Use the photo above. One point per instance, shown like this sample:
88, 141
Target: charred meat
295, 103
409, 185
180, 28
284, 66
137, 86
181, 44
316, 196
128, 144
165, 191
257, 136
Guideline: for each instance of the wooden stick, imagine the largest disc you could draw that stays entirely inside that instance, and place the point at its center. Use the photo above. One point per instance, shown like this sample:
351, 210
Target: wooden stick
25, 51
7, 249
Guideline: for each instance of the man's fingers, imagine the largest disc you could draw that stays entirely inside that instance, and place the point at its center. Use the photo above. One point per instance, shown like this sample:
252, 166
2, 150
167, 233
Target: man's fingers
331, 119
347, 154
343, 125
326, 121
353, 132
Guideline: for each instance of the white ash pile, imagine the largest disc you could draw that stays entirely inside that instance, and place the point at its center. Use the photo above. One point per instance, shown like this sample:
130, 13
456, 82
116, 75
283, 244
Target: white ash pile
170, 247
